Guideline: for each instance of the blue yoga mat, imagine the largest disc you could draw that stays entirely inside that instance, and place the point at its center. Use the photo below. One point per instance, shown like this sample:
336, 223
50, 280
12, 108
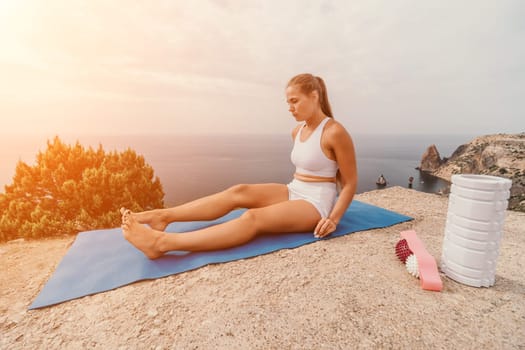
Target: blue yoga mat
102, 260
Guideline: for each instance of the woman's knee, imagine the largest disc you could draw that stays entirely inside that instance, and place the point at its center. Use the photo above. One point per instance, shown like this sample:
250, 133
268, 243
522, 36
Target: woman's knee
238, 189
250, 217
257, 195
238, 193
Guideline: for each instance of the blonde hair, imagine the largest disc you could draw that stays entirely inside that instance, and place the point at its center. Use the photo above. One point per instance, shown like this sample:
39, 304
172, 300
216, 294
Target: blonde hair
308, 83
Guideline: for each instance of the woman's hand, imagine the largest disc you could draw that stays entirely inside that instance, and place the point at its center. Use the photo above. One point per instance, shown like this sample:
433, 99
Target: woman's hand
324, 227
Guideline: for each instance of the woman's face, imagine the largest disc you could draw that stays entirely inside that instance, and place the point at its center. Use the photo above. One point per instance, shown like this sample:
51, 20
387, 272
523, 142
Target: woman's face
301, 106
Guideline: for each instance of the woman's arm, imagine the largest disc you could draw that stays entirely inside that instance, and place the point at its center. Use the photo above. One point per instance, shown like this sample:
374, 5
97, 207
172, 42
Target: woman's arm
342, 147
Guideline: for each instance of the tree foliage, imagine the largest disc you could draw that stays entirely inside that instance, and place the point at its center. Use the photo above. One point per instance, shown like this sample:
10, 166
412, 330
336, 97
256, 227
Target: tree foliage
72, 189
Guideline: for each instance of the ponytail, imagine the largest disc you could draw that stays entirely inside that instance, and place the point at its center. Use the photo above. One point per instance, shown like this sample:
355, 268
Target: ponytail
308, 83
323, 98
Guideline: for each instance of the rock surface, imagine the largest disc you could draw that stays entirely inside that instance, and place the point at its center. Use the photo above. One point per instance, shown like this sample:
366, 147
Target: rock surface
350, 292
500, 155
431, 160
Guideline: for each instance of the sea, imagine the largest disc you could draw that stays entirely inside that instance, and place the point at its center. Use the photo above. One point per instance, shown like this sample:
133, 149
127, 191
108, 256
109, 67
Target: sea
192, 166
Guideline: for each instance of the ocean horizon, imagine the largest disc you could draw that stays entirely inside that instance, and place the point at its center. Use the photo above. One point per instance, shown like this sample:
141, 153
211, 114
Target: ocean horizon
192, 166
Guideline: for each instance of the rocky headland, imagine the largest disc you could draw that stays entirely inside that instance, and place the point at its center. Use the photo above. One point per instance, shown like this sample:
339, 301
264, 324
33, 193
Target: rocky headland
500, 155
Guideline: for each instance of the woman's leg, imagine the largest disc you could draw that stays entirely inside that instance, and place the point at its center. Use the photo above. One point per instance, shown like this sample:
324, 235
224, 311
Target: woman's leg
287, 216
216, 205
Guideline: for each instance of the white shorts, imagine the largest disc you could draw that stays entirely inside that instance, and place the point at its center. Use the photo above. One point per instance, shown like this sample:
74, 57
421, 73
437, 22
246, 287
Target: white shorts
320, 194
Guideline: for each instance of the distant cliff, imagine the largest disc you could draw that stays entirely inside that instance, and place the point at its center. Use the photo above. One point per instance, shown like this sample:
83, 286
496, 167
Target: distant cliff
498, 155
431, 160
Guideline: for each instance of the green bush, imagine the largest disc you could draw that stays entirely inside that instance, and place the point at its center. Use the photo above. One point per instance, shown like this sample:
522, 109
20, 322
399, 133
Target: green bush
72, 189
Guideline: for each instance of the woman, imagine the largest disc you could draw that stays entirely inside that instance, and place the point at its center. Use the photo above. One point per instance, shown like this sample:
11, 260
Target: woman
323, 153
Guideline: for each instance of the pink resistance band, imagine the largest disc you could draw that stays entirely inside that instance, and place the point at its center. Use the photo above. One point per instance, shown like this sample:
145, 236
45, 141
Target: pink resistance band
428, 272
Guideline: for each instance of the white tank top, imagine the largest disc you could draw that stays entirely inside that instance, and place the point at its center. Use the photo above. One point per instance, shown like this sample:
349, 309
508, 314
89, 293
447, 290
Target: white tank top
308, 157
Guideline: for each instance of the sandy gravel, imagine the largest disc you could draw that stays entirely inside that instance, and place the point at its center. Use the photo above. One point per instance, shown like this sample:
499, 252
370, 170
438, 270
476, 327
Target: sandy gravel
345, 293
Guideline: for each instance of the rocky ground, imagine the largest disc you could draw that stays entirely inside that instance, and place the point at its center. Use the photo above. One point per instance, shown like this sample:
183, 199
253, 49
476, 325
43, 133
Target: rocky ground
344, 293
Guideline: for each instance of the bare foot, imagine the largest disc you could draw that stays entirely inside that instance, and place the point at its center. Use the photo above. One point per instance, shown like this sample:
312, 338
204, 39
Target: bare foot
142, 237
152, 218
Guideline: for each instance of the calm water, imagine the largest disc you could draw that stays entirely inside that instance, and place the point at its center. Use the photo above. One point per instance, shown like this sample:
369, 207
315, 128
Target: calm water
192, 166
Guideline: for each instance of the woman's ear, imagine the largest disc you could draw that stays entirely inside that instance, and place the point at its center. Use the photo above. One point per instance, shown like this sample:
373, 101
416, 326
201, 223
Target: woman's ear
315, 95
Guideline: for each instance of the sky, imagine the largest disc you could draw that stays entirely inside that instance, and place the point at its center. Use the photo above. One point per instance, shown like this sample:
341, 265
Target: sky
132, 67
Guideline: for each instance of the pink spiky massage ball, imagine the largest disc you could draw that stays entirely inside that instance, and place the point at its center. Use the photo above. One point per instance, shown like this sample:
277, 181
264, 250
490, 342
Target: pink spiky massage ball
402, 250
